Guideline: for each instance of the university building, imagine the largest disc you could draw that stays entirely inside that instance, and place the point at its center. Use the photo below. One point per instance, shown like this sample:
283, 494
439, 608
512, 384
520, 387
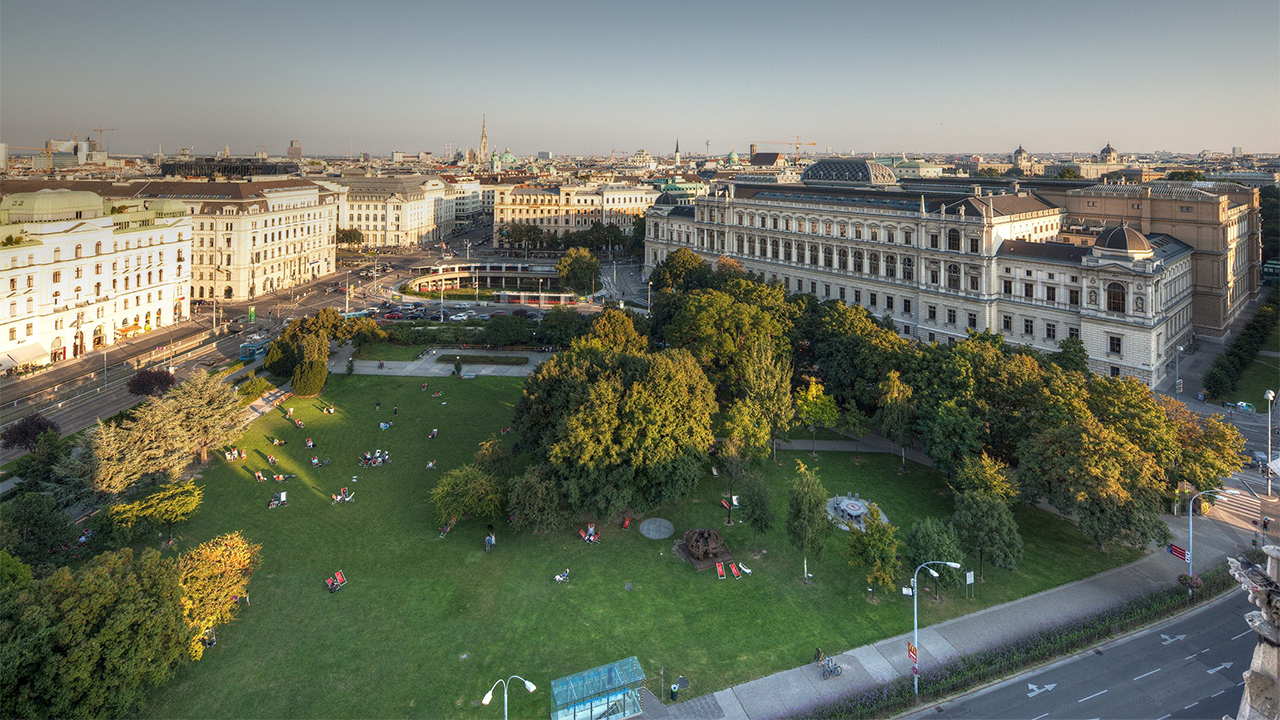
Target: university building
569, 208
942, 264
396, 211
80, 273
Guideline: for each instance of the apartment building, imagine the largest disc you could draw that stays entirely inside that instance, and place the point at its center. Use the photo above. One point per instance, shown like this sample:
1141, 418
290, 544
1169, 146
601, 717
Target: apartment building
396, 211
569, 208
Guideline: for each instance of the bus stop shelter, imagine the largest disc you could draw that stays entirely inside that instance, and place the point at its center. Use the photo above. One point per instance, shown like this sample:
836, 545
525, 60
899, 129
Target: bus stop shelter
609, 692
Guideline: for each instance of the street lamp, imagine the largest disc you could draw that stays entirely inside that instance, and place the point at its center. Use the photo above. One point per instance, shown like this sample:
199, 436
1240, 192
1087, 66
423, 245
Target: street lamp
1177, 373
1270, 395
915, 615
1191, 513
488, 697
650, 302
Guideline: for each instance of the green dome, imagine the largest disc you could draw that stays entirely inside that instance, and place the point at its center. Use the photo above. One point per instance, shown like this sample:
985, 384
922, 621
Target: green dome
47, 205
733, 157
167, 206
507, 157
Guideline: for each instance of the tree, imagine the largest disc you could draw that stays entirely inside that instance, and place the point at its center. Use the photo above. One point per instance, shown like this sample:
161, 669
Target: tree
26, 432
92, 642
951, 435
1068, 174
495, 458
615, 330
560, 326
756, 507
896, 411
172, 503
1072, 356
34, 527
988, 172
351, 366
159, 442
1206, 448
985, 475
150, 382
1218, 382
876, 548
578, 270
467, 490
815, 407
351, 237
14, 574
108, 448
1185, 175
931, 539
681, 271
535, 503
36, 468
766, 384
281, 358
507, 330
986, 523
213, 575
309, 378
808, 525
720, 332
522, 235
726, 265
208, 409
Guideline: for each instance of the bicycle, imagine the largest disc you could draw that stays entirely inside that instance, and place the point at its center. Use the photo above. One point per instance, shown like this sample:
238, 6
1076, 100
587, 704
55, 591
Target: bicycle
830, 667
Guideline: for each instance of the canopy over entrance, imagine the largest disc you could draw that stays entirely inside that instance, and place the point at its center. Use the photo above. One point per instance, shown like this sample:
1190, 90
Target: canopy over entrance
609, 692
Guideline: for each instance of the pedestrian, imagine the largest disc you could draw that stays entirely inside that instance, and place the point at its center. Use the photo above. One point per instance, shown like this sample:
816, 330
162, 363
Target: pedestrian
395, 409
290, 413
377, 406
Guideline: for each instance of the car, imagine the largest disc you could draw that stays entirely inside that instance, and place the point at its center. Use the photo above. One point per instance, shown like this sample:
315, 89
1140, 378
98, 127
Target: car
458, 318
414, 316
460, 306
497, 313
469, 313
394, 315
419, 304
485, 316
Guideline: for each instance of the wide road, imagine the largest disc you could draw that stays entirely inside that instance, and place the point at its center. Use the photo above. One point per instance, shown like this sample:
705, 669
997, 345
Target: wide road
1189, 667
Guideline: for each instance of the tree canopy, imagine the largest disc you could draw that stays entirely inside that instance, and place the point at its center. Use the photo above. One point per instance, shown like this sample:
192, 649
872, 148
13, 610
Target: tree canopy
578, 271
875, 548
26, 432
807, 524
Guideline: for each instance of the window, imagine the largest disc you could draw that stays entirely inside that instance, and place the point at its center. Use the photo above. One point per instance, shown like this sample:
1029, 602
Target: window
953, 277
953, 239
1073, 332
888, 302
1075, 279
842, 293
973, 283
973, 320
1028, 290
1185, 208
1115, 298
1050, 331
973, 245
1115, 371
1051, 276
873, 299
1051, 294
1007, 323
1073, 297
1114, 345
813, 287
951, 317
1008, 287
933, 312
857, 297
57, 276
826, 290
933, 276
906, 237
906, 306
1028, 327
933, 241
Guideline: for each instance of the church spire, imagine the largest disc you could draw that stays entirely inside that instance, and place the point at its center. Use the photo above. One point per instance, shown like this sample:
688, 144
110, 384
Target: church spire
484, 137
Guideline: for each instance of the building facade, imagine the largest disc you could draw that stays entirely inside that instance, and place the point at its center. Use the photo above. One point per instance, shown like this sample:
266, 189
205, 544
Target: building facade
82, 273
558, 210
941, 266
399, 211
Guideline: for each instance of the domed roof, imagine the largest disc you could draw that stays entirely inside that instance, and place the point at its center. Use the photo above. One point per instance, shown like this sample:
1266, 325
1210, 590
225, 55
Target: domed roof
508, 157
1123, 238
45, 205
733, 157
842, 171
167, 206
666, 198
1019, 152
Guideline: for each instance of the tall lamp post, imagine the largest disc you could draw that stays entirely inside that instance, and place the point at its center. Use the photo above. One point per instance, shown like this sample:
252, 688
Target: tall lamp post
1270, 395
488, 697
1177, 373
1191, 513
650, 302
915, 614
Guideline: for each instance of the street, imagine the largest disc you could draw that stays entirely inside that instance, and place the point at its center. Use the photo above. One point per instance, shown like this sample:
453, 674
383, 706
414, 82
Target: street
1187, 668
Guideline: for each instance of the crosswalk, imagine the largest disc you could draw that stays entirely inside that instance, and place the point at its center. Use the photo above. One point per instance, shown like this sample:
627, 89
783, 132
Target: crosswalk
1247, 512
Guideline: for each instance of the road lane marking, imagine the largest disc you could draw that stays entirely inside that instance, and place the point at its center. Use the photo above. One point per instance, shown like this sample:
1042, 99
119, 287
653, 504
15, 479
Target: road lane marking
1246, 632
1164, 717
1189, 656
1217, 693
1191, 705
1091, 696
1153, 672
1039, 716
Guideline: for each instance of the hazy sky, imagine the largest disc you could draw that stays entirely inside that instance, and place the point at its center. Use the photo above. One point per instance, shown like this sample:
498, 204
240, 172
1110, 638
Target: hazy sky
588, 77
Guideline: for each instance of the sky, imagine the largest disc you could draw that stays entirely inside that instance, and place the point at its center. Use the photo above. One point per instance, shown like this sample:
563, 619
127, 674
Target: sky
591, 77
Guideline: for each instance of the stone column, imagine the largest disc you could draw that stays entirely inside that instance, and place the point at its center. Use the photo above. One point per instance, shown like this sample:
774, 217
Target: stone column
1261, 699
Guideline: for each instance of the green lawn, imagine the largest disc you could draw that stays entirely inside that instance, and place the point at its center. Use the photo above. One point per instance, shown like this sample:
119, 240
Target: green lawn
1261, 375
427, 624
389, 351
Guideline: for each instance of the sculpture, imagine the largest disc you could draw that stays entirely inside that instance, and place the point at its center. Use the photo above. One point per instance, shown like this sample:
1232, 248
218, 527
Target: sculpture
1262, 679
704, 544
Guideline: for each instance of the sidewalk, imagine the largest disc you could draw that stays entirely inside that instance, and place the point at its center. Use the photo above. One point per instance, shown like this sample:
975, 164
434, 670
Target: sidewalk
430, 366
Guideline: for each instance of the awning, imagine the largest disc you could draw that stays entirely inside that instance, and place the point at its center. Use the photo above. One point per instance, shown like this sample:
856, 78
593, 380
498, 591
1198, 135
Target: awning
128, 329
24, 354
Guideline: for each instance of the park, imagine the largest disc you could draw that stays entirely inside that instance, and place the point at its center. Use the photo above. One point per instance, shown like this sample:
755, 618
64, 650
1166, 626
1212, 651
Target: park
425, 623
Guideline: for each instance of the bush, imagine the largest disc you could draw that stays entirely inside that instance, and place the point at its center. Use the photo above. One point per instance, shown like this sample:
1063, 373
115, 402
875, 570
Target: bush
150, 382
309, 378
1217, 382
535, 504
253, 387
26, 432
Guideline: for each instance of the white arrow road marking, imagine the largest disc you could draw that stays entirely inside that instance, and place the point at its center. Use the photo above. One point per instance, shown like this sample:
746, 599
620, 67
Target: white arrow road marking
1223, 666
1036, 689
1170, 640
1091, 696
1153, 672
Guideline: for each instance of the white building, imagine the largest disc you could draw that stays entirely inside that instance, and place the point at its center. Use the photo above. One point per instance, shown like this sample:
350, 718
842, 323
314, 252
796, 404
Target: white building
942, 265
81, 274
396, 211
570, 208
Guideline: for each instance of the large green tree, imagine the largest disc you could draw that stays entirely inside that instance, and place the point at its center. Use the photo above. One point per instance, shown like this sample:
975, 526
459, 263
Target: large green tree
213, 575
1207, 449
815, 407
807, 524
535, 503
951, 434
875, 548
896, 411
766, 383
168, 505
757, 509
931, 539
985, 522
208, 410
159, 443
33, 528
985, 475
91, 642
681, 271
720, 332
578, 271
467, 490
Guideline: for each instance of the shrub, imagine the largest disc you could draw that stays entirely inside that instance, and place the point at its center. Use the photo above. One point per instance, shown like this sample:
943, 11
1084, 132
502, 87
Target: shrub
150, 382
309, 378
26, 432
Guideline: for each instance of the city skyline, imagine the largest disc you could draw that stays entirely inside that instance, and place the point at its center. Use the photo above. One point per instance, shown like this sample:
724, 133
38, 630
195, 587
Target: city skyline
920, 77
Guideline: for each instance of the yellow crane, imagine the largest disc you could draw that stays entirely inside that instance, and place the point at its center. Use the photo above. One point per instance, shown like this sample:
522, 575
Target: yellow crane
101, 130
48, 154
793, 143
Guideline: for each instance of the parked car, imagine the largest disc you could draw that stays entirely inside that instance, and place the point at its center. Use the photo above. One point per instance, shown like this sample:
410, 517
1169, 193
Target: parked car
497, 313
460, 305
485, 316
458, 318
414, 316
394, 315
441, 316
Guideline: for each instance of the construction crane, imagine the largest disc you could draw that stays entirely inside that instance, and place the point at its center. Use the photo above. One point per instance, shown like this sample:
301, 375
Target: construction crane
100, 131
794, 143
48, 154
611, 154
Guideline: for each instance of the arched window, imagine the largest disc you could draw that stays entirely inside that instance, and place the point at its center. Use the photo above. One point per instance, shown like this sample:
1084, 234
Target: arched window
97, 248
97, 288
843, 259
857, 232
908, 269
953, 239
857, 261
890, 266
874, 262
79, 251
773, 244
813, 251
57, 254
1115, 298
953, 276
827, 255
150, 278
786, 250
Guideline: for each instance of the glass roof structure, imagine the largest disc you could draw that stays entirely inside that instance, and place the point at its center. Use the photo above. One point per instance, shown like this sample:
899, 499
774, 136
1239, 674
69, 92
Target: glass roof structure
595, 683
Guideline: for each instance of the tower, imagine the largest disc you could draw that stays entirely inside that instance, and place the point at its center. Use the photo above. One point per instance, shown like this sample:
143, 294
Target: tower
484, 136
677, 152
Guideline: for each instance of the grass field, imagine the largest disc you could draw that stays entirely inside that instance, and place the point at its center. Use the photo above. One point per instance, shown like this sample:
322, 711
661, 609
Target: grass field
1261, 375
388, 351
426, 624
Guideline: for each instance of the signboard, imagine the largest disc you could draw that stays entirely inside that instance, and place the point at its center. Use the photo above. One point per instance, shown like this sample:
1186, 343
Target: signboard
968, 578
397, 297
1178, 552
1179, 385
907, 591
253, 313
911, 651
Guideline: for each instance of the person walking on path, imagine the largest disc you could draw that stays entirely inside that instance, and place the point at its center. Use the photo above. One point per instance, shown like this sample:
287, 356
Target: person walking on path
395, 409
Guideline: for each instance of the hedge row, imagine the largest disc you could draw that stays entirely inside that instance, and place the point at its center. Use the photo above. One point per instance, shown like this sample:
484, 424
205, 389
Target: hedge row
1223, 376
968, 671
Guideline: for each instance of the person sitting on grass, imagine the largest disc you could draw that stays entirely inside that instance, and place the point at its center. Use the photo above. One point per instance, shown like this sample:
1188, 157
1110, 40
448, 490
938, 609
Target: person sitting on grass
310, 444
315, 461
431, 465
563, 577
271, 459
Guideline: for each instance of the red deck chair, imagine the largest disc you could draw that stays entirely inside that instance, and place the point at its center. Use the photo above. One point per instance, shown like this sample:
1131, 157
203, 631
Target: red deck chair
733, 567
720, 570
329, 583
626, 524
341, 580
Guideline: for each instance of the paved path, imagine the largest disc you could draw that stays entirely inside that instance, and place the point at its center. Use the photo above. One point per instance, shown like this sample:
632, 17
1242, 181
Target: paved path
430, 367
